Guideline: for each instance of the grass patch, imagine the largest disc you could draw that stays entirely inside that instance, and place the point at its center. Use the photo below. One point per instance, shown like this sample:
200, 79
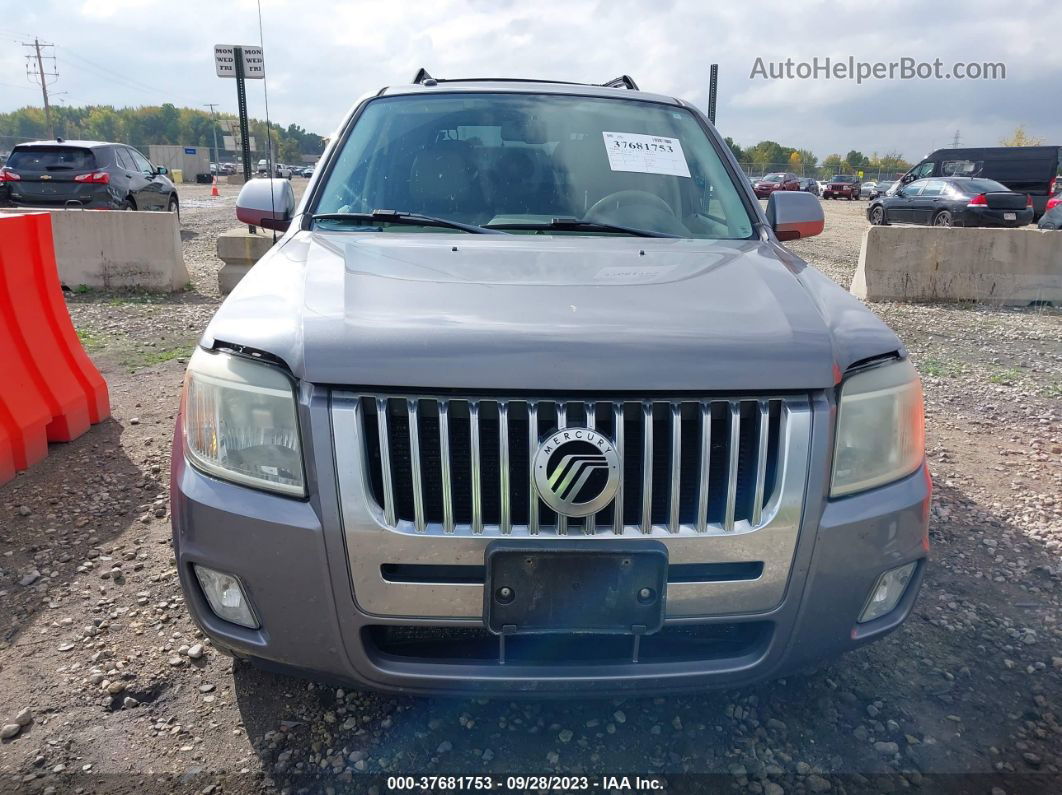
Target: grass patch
938, 368
1005, 377
1053, 390
137, 358
91, 342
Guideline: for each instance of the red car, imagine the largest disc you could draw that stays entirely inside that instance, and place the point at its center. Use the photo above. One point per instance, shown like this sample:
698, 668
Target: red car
768, 184
846, 185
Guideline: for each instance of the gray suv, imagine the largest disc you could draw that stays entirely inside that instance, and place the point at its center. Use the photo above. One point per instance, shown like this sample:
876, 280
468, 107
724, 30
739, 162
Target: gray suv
87, 174
531, 397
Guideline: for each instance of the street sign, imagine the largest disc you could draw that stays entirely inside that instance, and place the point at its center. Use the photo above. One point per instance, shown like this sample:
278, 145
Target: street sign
225, 61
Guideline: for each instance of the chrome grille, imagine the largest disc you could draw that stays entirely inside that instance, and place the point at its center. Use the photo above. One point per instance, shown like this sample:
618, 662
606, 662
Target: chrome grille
462, 465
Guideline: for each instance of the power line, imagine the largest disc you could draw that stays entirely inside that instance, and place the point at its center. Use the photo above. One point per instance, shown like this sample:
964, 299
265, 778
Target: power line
37, 72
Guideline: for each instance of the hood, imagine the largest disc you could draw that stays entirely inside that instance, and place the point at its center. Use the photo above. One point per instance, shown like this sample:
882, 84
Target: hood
538, 313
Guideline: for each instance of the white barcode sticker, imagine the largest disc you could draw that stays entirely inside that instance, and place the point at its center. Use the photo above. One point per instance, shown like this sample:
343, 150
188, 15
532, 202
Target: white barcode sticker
645, 154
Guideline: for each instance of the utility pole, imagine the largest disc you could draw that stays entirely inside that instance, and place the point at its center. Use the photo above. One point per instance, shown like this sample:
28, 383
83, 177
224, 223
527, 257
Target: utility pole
37, 73
955, 141
214, 115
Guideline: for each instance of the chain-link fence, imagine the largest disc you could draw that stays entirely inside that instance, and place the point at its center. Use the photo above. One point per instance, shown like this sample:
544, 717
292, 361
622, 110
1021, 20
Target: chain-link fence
869, 173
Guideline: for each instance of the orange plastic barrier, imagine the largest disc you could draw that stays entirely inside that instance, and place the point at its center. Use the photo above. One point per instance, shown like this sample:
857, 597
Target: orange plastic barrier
49, 389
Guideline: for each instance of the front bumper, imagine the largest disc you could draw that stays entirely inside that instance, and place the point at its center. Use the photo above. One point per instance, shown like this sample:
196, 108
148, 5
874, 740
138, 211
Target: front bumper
293, 560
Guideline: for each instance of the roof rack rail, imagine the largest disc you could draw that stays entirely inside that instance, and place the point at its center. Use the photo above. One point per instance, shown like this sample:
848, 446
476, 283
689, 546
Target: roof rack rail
623, 81
422, 77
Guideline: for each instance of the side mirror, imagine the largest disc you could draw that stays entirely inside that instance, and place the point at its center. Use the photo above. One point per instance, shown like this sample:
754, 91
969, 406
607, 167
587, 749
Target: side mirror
795, 214
268, 203
162, 170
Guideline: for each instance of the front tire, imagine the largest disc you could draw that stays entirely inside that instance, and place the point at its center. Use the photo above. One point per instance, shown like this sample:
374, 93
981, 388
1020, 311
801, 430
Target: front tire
943, 219
877, 215
174, 207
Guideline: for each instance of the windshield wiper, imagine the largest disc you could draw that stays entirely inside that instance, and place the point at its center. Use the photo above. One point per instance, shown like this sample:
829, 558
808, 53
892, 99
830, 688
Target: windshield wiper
577, 225
410, 219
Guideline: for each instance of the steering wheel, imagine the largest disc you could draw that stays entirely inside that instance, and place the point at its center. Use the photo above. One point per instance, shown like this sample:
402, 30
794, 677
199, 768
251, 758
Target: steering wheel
626, 198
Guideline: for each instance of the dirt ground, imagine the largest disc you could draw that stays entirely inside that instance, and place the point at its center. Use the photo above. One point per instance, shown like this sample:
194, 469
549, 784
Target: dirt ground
110, 686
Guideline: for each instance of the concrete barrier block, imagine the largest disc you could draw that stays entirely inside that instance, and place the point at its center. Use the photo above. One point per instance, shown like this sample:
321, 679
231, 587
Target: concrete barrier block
1004, 266
234, 179
239, 250
115, 250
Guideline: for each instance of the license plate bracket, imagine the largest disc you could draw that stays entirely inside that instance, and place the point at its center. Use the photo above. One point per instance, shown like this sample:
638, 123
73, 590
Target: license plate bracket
1010, 216
578, 586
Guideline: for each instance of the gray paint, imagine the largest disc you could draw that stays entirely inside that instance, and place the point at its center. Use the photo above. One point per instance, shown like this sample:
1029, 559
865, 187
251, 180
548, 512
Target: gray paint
530, 314
523, 312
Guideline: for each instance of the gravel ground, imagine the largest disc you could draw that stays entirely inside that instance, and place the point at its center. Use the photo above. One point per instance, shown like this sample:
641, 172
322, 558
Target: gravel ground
106, 683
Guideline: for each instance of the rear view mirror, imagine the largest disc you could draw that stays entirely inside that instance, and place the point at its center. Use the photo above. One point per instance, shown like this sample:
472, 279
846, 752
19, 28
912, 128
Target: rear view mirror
794, 214
268, 203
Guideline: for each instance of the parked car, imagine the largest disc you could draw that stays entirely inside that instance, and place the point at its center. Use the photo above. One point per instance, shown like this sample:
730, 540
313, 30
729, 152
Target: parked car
865, 189
953, 201
822, 186
1030, 170
413, 433
769, 183
846, 185
228, 168
882, 187
263, 167
809, 185
90, 174
1052, 217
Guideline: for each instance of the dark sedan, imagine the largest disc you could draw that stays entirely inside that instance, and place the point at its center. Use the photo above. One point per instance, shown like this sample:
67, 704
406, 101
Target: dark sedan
89, 174
768, 184
809, 185
953, 201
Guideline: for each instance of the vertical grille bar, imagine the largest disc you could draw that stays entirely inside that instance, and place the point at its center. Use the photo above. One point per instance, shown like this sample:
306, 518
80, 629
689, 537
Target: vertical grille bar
503, 460
532, 444
732, 469
444, 460
590, 522
562, 423
676, 466
617, 504
413, 408
385, 461
647, 467
706, 459
761, 463
477, 480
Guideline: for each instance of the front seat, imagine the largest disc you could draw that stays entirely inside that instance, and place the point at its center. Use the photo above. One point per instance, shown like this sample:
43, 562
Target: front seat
442, 181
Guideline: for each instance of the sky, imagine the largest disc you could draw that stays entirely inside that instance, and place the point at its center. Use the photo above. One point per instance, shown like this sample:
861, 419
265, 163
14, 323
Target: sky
321, 55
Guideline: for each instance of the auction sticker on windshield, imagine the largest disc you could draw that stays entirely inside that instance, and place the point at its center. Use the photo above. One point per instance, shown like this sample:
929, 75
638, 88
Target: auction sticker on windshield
645, 154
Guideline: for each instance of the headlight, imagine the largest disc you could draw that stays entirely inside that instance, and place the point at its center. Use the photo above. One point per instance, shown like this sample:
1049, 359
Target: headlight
239, 422
880, 428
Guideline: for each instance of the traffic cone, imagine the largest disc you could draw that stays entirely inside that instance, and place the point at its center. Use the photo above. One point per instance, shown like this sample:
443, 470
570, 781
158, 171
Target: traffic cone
214, 187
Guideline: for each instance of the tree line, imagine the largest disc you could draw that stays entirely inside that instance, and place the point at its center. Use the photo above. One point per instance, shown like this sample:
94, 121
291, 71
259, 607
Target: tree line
154, 124
769, 155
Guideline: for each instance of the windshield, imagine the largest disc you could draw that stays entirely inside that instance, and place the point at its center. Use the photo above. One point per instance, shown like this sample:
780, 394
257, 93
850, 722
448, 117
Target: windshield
843, 178
520, 161
773, 178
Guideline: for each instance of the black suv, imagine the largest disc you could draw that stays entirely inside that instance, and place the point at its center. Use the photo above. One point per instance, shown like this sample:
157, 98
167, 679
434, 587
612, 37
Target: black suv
88, 174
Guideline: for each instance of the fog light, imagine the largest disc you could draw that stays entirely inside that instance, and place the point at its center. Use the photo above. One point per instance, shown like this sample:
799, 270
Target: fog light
887, 592
225, 596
